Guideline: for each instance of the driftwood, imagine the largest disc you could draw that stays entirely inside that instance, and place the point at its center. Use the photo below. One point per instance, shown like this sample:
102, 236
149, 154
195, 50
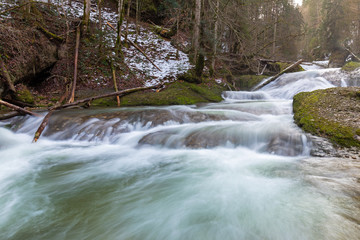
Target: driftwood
277, 75
72, 96
136, 46
17, 108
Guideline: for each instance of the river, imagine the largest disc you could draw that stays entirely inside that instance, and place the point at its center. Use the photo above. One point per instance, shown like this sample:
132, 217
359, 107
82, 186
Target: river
239, 169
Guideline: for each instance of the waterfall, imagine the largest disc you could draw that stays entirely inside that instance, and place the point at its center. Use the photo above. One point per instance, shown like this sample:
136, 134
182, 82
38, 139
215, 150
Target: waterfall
238, 169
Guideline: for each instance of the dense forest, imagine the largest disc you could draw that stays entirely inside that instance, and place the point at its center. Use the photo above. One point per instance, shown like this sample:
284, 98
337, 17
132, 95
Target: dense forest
221, 39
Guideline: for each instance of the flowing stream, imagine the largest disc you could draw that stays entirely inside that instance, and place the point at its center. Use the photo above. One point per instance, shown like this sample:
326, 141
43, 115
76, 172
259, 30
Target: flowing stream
239, 169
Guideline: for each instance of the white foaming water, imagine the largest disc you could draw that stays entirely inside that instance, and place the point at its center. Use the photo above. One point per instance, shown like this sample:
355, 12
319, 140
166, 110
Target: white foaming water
239, 169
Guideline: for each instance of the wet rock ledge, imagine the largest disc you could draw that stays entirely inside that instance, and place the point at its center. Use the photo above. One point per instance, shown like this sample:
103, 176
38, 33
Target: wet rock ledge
331, 113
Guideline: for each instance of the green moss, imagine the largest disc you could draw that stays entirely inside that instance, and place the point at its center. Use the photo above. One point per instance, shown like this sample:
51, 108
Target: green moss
247, 82
350, 66
282, 66
25, 96
178, 93
306, 114
105, 102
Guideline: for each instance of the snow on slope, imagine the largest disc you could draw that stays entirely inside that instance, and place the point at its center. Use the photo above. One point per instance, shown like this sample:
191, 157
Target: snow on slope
160, 51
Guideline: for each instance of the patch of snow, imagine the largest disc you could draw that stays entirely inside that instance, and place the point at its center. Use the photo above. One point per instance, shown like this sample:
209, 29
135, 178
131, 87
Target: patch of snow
160, 51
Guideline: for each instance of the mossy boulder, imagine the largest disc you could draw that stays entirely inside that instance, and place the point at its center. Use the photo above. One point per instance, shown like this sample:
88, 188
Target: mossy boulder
177, 93
332, 113
247, 82
24, 95
281, 66
350, 66
190, 77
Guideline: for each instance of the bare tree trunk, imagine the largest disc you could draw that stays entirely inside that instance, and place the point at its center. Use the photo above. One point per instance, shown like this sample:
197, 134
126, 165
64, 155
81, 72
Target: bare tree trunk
86, 18
119, 23
72, 96
100, 24
196, 35
137, 32
275, 32
127, 20
177, 31
216, 26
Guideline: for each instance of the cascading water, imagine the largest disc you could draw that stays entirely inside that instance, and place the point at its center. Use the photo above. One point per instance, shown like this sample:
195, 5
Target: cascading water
239, 169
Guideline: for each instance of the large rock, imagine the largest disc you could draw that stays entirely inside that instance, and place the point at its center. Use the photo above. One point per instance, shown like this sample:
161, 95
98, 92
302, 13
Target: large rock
338, 58
332, 113
26, 51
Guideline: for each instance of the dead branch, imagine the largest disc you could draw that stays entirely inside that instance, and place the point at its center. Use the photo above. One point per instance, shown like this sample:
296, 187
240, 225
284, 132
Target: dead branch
277, 75
136, 46
17, 108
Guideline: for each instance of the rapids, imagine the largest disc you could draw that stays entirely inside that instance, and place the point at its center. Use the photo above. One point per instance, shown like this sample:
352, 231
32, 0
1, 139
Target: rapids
239, 169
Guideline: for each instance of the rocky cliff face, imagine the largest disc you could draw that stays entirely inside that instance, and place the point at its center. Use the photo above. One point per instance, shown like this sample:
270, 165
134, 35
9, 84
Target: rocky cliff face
26, 51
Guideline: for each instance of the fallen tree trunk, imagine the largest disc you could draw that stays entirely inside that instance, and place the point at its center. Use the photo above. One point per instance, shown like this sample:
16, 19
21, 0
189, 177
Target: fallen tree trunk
272, 60
86, 100
113, 94
17, 108
136, 46
277, 75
